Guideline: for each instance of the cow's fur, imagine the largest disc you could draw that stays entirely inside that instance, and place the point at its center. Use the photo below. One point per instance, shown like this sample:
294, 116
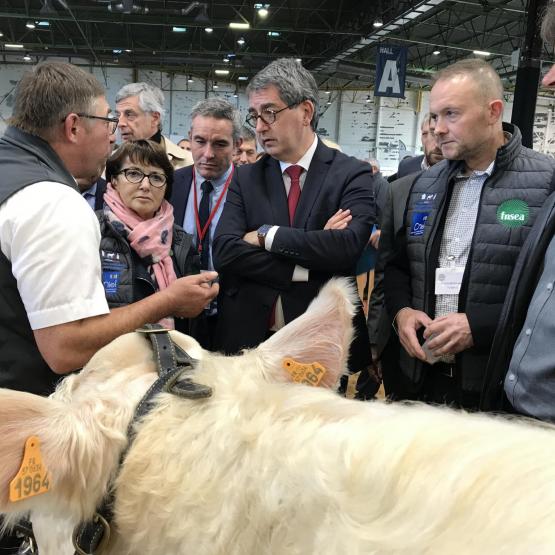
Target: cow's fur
270, 467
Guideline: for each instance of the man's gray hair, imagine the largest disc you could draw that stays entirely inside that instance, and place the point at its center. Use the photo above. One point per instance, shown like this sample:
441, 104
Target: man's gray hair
293, 82
151, 98
247, 134
548, 26
218, 108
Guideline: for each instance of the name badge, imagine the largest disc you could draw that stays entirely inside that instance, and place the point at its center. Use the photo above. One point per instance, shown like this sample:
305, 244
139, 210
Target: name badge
448, 280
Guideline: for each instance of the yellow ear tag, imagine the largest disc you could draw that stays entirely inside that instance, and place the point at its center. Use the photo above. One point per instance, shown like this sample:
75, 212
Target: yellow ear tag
309, 374
32, 478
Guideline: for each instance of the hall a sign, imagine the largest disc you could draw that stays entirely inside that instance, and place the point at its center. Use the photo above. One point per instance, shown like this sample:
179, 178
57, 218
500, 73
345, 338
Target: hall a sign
391, 67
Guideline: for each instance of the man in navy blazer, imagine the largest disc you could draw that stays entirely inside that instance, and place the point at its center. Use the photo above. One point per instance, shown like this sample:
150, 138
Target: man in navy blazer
275, 249
214, 136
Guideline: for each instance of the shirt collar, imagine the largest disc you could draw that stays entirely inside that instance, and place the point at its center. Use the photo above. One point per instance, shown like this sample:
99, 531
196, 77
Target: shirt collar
305, 160
478, 173
91, 191
216, 183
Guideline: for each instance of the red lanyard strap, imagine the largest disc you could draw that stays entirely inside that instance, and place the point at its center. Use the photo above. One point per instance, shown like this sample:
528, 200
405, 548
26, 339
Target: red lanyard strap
202, 232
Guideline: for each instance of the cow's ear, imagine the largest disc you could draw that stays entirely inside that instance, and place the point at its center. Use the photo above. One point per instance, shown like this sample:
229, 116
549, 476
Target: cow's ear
321, 335
22, 416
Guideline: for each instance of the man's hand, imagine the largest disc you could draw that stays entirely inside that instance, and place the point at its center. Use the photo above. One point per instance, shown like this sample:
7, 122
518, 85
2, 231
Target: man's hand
451, 332
408, 322
191, 294
340, 220
375, 238
252, 238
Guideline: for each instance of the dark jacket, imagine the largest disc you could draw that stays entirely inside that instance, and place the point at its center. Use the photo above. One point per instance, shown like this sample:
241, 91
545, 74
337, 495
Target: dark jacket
519, 174
525, 276
408, 166
25, 159
252, 278
124, 275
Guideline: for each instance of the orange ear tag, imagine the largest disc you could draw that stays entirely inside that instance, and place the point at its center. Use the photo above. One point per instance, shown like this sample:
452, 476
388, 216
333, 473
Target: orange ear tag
32, 478
309, 374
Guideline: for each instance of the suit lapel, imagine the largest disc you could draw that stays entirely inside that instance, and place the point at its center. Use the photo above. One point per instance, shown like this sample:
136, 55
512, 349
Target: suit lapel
180, 193
314, 182
275, 191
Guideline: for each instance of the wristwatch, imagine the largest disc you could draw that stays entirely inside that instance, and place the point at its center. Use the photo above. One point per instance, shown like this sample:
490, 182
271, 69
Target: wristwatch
261, 233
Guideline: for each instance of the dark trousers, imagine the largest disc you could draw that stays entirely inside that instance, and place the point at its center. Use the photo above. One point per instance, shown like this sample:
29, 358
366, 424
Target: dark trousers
203, 329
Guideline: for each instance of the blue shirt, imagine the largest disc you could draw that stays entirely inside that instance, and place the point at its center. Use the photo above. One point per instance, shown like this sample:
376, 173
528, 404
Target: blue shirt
90, 195
530, 381
189, 222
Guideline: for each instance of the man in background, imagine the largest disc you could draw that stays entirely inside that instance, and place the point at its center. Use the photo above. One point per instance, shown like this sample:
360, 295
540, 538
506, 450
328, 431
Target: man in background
199, 191
140, 109
246, 152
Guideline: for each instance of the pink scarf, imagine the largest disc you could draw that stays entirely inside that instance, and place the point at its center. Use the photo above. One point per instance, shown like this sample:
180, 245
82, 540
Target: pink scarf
150, 239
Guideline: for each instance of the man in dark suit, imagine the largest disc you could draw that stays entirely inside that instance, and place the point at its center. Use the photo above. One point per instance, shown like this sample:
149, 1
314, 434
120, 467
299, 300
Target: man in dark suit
199, 191
432, 153
299, 216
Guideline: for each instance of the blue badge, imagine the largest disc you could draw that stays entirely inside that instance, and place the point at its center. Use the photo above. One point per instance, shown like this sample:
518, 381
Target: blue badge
418, 223
110, 280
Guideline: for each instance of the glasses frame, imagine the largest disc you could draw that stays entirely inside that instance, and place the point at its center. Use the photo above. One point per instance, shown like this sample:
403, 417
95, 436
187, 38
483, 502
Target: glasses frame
125, 170
252, 116
112, 120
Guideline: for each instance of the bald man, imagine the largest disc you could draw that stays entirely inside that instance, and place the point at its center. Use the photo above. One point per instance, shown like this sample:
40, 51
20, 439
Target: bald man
466, 220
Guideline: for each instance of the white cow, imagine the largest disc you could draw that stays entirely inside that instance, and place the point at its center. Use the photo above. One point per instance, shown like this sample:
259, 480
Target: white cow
268, 467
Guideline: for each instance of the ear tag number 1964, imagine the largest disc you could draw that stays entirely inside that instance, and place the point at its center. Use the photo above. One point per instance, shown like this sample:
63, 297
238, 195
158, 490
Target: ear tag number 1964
32, 478
309, 374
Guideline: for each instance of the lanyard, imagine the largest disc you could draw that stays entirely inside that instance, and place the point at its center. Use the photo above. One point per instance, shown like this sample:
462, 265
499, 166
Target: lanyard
202, 232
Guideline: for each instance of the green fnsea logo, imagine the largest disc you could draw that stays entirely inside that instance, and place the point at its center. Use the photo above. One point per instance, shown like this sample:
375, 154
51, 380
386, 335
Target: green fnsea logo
513, 213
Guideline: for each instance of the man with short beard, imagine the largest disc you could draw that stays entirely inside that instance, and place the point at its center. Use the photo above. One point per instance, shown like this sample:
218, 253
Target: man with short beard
466, 220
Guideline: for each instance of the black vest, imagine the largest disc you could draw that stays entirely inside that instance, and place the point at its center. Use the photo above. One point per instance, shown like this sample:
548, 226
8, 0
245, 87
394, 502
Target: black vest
25, 159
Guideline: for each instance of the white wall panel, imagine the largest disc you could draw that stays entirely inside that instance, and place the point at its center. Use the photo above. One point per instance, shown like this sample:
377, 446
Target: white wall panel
385, 128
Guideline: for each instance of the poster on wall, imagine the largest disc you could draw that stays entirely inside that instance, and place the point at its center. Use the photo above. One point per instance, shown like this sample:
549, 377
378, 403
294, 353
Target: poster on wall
391, 67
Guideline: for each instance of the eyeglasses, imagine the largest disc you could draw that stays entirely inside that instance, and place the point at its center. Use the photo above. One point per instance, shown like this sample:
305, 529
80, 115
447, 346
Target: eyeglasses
133, 175
267, 116
112, 122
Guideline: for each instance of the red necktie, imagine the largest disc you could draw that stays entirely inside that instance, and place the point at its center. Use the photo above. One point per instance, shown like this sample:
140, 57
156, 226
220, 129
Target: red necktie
294, 172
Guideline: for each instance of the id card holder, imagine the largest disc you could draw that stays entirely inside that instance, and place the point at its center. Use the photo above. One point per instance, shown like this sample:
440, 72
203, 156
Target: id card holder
448, 280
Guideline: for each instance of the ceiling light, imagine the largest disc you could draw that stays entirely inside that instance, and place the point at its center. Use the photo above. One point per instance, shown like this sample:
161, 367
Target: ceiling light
179, 29
235, 25
43, 23
273, 34
481, 53
127, 7
1, 34
235, 95
436, 52
226, 60
27, 58
190, 79
208, 29
222, 72
117, 51
262, 10
214, 85
13, 45
378, 23
128, 50
242, 78
30, 25
298, 60
241, 41
368, 99
328, 102
328, 92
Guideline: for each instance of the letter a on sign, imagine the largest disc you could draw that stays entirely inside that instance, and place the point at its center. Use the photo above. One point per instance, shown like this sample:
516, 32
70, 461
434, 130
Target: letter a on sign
390, 71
